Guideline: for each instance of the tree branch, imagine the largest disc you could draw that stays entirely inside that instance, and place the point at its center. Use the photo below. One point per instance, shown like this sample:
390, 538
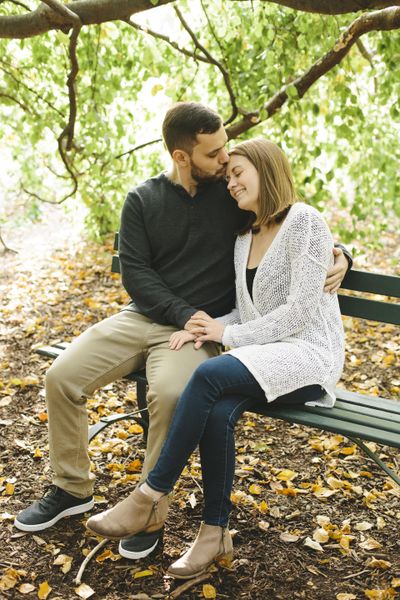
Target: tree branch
68, 131
166, 39
23, 84
139, 147
20, 104
6, 248
90, 12
384, 20
16, 3
334, 7
212, 61
94, 12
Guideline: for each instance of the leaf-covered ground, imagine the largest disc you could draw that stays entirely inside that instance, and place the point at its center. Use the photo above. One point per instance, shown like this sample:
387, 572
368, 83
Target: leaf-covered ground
313, 518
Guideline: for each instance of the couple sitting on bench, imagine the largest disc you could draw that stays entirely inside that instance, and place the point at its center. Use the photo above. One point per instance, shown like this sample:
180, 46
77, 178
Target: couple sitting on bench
176, 252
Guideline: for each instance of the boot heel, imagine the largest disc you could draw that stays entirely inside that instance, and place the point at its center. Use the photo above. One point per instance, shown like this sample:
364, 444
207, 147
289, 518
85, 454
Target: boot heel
225, 560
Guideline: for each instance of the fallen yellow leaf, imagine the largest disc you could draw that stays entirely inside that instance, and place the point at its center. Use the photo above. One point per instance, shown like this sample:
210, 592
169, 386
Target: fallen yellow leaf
84, 591
209, 591
254, 488
145, 573
135, 466
375, 563
37, 453
44, 590
286, 475
9, 489
64, 561
370, 544
135, 428
387, 594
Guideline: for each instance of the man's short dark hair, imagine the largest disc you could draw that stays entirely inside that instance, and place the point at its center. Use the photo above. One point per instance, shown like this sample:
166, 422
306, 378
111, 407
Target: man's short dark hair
184, 120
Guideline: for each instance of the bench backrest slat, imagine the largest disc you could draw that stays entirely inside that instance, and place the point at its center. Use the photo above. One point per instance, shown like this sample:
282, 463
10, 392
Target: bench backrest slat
352, 306
373, 310
375, 283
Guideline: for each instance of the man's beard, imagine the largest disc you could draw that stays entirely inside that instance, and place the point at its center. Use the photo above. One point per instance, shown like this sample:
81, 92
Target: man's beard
203, 177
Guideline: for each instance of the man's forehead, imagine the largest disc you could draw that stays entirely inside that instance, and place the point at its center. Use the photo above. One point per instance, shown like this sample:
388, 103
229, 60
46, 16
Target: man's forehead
208, 142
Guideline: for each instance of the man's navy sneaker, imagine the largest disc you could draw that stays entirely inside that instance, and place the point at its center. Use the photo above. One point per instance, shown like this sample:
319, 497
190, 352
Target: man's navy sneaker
139, 545
55, 505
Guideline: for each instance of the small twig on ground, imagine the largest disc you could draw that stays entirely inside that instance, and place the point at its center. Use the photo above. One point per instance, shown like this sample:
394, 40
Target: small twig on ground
356, 574
186, 586
78, 578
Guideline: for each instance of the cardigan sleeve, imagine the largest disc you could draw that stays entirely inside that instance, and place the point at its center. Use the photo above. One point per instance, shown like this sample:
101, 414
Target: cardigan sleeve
310, 250
231, 318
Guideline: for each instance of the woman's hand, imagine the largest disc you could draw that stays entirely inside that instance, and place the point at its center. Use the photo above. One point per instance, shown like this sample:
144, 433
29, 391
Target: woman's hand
206, 329
179, 338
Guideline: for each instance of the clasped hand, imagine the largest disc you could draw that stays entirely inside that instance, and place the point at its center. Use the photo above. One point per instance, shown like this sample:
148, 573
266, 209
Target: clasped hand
200, 328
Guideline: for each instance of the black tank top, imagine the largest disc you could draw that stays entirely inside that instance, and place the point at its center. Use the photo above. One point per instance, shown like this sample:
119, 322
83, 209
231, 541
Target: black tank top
250, 274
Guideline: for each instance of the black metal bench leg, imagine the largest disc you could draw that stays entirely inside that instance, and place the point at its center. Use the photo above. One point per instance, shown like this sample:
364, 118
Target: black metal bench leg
376, 459
141, 395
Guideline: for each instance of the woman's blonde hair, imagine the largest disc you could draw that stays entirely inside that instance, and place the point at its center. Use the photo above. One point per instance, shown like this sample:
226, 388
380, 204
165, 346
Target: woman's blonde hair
277, 192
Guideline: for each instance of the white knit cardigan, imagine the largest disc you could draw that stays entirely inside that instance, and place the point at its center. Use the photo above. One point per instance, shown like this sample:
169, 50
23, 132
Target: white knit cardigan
290, 335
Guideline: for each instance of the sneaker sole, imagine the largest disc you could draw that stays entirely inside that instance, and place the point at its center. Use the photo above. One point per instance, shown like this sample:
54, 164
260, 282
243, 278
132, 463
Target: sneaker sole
68, 512
136, 555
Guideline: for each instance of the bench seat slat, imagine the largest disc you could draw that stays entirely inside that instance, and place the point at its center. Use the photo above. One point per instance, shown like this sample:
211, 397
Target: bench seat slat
307, 416
368, 401
376, 420
353, 413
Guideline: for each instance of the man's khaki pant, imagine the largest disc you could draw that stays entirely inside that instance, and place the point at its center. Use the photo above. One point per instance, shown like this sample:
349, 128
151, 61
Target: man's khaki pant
105, 352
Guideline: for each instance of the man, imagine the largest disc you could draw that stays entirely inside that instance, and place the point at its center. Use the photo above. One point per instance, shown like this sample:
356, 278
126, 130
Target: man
176, 251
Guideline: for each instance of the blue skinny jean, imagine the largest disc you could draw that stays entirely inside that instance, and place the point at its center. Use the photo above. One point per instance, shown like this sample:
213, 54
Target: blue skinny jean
217, 394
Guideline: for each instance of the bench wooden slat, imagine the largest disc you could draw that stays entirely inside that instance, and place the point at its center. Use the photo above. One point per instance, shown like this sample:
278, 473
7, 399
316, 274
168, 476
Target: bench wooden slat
375, 283
377, 420
355, 413
368, 401
373, 310
308, 416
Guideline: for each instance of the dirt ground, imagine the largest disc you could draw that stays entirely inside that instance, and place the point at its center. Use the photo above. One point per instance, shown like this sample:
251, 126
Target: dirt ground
312, 517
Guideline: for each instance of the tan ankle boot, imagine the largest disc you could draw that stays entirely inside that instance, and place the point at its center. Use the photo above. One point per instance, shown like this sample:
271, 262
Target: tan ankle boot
213, 543
137, 513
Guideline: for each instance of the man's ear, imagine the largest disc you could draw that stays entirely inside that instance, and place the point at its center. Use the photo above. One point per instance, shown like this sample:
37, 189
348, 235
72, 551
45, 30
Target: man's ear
181, 158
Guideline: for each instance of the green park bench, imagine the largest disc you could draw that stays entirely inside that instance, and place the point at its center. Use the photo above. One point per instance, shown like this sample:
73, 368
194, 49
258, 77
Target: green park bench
358, 417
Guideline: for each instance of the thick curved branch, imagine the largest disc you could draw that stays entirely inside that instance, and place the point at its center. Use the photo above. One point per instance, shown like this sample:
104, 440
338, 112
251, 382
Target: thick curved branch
94, 12
212, 61
90, 12
384, 20
334, 7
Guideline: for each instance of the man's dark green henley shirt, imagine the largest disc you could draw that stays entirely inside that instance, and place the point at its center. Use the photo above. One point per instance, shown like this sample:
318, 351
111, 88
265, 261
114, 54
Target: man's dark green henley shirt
176, 250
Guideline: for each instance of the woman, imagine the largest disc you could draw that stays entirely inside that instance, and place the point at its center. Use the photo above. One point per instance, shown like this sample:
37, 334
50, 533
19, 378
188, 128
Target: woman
287, 346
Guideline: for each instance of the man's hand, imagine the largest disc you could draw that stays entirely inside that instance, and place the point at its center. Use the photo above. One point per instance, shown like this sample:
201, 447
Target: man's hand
179, 338
336, 274
206, 329
200, 314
